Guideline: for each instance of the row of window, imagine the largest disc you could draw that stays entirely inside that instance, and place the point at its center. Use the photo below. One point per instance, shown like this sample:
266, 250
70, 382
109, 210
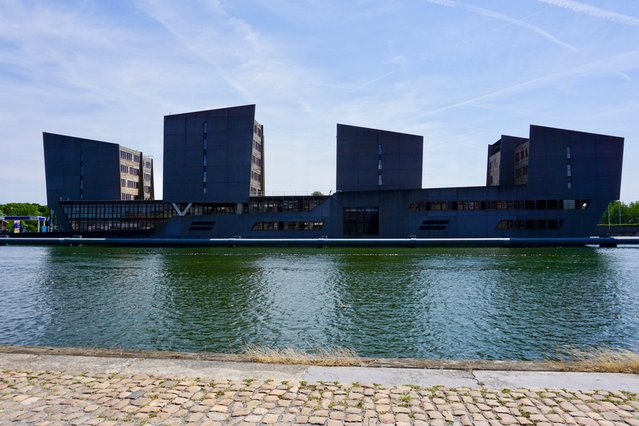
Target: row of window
118, 210
500, 205
129, 156
205, 145
277, 205
521, 172
521, 155
530, 224
130, 170
288, 226
160, 210
129, 184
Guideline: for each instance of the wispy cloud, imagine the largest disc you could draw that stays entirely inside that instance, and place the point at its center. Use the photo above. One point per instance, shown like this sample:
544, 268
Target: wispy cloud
576, 6
615, 64
505, 18
110, 70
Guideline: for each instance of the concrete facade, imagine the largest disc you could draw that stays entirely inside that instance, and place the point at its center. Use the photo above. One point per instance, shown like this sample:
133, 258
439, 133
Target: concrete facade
213, 156
371, 160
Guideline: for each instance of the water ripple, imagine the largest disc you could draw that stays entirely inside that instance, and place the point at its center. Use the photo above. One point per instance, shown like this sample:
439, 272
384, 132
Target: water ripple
432, 303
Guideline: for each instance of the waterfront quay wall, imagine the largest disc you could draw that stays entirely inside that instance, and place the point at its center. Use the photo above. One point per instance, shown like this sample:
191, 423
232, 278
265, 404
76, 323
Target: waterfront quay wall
326, 242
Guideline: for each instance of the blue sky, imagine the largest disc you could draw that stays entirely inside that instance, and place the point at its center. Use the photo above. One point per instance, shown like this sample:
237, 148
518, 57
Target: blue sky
459, 72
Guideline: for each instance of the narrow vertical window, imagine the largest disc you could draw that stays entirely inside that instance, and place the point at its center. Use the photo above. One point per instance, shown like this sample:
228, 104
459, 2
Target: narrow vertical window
205, 127
379, 180
205, 143
568, 170
379, 149
379, 164
568, 152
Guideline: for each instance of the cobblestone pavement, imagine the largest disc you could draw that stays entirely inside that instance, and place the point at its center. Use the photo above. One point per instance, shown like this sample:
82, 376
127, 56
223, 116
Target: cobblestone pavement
54, 398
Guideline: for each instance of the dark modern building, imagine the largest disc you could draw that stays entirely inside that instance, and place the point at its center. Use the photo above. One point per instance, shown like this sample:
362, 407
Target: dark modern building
555, 183
213, 156
373, 160
83, 169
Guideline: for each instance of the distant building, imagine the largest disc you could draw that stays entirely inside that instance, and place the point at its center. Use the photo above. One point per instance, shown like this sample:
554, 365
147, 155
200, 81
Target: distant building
558, 162
371, 160
213, 156
85, 169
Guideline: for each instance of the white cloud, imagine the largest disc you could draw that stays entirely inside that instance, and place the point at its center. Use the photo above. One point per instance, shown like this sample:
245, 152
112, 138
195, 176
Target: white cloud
580, 7
505, 18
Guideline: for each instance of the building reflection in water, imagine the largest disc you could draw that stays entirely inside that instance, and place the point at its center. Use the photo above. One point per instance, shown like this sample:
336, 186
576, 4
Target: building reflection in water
435, 303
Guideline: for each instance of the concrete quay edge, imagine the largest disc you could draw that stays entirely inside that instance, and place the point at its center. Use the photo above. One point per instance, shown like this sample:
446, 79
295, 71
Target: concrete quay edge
210, 366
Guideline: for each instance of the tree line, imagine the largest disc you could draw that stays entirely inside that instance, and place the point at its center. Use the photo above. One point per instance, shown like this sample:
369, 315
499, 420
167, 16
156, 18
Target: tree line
620, 213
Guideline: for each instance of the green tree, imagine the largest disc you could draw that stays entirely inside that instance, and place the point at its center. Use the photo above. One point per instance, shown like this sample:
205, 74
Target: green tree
619, 212
317, 194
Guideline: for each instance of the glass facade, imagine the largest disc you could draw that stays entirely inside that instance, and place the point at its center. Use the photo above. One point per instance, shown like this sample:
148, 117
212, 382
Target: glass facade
97, 216
361, 221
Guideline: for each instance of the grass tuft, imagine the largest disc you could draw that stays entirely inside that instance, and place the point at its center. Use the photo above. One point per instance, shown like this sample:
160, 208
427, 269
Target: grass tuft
600, 360
326, 357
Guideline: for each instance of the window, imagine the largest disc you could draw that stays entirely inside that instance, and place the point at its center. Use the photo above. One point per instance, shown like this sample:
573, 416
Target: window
205, 127
379, 149
205, 143
287, 226
361, 221
568, 170
379, 180
568, 152
530, 224
379, 164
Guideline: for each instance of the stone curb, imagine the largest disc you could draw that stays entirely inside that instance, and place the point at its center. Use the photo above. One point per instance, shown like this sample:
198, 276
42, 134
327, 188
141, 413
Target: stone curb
466, 365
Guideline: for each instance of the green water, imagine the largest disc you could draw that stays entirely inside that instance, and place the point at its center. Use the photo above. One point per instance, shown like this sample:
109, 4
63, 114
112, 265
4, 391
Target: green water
429, 303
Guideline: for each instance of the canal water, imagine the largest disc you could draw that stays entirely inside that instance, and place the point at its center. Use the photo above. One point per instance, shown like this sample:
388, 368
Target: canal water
500, 303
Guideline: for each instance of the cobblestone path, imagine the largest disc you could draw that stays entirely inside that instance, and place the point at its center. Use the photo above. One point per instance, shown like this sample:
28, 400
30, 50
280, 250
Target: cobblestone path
51, 398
